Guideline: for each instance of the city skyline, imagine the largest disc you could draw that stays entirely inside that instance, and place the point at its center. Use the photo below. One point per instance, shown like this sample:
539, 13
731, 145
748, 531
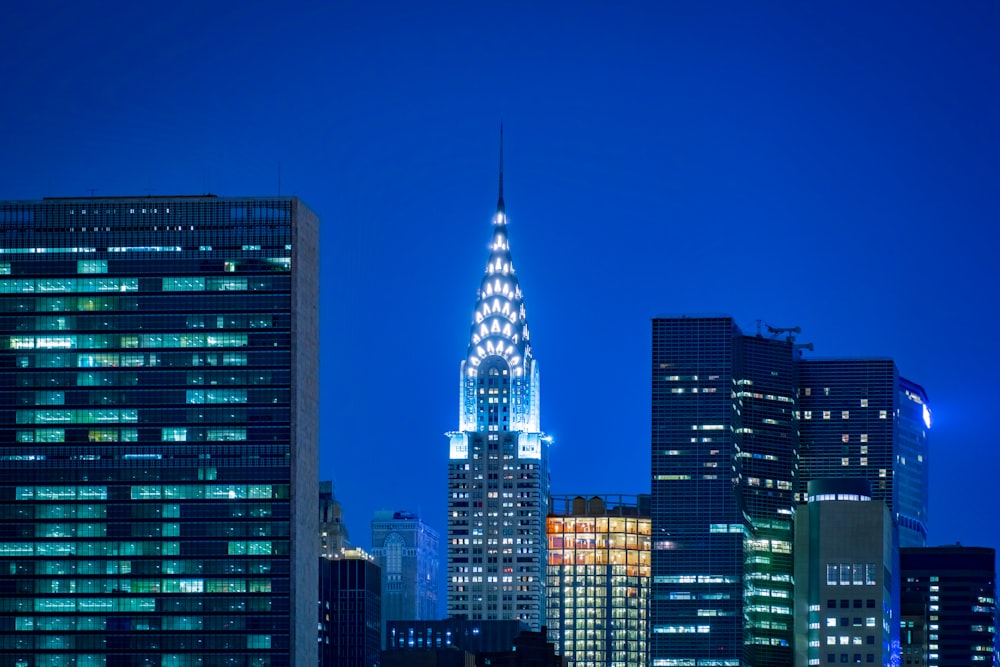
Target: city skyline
842, 159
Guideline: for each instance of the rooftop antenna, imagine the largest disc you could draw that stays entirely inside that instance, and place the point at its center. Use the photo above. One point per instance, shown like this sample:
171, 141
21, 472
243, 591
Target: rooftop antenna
279, 178
91, 191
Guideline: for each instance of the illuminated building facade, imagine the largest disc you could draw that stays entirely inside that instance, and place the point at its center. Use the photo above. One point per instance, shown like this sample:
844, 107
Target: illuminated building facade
406, 549
949, 608
724, 461
844, 576
498, 479
158, 440
597, 592
859, 418
350, 622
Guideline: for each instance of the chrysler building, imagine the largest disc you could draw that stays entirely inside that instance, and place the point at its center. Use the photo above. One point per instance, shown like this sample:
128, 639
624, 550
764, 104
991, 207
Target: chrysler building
498, 478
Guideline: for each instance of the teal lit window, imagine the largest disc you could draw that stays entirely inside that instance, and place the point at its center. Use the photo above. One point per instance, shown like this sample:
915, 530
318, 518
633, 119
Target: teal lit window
92, 266
186, 284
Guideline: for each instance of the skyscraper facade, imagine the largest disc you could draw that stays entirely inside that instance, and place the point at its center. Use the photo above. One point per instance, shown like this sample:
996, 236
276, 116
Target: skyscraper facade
498, 479
859, 418
949, 606
350, 610
406, 549
844, 577
597, 593
724, 458
158, 443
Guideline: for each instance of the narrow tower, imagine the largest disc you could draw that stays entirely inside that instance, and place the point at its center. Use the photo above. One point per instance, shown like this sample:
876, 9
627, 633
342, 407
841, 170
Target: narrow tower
498, 480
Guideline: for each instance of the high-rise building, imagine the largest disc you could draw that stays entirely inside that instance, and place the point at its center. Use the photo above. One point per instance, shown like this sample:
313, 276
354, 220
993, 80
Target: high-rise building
859, 418
350, 610
498, 478
333, 537
406, 549
597, 592
158, 445
724, 457
844, 576
949, 607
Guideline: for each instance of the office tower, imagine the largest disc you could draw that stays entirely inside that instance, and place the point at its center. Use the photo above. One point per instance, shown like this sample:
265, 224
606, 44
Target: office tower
859, 418
844, 577
498, 477
949, 609
406, 549
724, 454
333, 537
598, 577
158, 446
350, 604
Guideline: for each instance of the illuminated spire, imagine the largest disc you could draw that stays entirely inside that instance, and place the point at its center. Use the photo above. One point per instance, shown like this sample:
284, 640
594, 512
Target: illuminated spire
500, 207
499, 329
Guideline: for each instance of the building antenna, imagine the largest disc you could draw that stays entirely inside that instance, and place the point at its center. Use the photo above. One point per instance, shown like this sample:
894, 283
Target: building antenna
91, 191
279, 178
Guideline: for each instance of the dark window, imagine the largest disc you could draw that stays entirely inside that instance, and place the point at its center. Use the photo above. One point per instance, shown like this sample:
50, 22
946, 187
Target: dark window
845, 604
870, 604
857, 604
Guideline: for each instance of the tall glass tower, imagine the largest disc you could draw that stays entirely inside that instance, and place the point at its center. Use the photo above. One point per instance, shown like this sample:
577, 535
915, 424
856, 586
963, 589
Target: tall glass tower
724, 457
860, 418
498, 479
158, 434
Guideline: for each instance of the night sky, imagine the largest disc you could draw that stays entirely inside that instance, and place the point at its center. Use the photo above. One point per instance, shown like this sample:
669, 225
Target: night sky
834, 166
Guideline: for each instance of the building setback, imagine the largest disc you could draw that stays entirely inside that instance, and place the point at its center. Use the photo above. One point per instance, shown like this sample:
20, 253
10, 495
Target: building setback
498, 478
949, 609
158, 446
597, 591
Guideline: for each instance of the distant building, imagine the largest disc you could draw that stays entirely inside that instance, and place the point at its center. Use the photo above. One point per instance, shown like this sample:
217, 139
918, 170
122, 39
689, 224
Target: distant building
459, 632
724, 460
350, 610
333, 537
597, 591
844, 577
949, 607
859, 418
498, 471
158, 446
406, 549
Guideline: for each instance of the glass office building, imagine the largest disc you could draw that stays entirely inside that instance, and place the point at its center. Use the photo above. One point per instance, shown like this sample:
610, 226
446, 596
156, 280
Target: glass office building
158, 433
498, 478
859, 418
724, 461
597, 592
949, 606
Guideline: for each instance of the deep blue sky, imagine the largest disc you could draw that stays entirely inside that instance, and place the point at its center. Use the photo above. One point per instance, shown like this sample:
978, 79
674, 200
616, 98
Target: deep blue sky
829, 165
